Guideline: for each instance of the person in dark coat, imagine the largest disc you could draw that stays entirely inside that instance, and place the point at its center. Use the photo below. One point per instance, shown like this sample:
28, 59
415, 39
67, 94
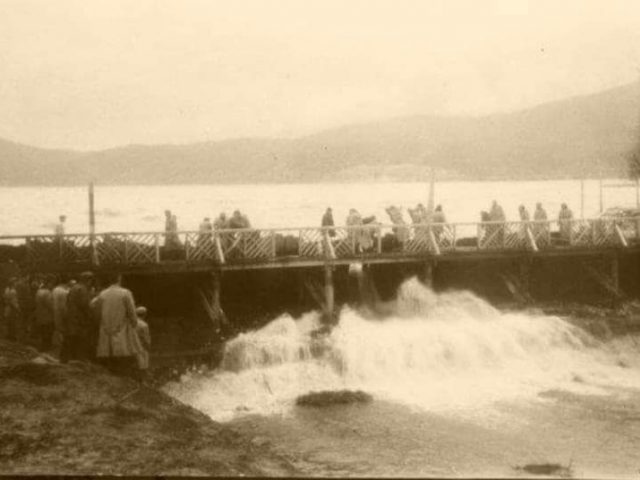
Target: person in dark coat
327, 221
44, 325
77, 326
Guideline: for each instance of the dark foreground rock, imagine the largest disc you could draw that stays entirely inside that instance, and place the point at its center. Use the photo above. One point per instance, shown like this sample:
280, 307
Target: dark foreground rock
78, 419
546, 469
326, 398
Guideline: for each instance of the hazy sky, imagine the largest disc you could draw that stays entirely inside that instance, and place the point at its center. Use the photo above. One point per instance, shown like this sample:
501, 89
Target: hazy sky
91, 74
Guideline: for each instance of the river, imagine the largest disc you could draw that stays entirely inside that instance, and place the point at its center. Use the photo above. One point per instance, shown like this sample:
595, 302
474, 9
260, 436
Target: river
459, 388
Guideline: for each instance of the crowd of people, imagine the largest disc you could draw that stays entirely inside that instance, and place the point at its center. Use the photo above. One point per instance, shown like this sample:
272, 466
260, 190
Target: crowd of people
236, 221
74, 319
364, 238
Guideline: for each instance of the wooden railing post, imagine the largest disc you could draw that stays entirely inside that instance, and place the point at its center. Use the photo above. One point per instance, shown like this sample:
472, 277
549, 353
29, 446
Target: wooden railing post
274, 252
454, 227
156, 242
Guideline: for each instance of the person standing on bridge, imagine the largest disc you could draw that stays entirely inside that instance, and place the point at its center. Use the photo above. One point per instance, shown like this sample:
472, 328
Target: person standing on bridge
205, 233
540, 226
496, 231
438, 218
221, 223
525, 219
118, 343
327, 221
59, 229
564, 219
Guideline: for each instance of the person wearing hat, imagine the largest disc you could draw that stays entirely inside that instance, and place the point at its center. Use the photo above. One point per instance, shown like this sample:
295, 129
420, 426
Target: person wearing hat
77, 323
142, 329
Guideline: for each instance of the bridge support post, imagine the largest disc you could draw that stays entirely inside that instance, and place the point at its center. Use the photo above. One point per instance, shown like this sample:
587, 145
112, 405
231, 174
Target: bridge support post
615, 272
209, 295
328, 313
525, 278
428, 274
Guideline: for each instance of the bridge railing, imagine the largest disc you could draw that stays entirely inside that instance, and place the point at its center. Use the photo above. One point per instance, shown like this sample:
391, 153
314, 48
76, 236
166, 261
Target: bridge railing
314, 243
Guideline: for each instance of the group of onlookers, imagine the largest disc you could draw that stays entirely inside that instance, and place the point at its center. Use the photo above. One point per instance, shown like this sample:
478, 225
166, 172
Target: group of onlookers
76, 320
237, 220
365, 238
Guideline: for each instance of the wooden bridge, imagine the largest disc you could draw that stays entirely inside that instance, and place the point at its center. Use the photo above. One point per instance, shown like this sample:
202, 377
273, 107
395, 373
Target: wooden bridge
155, 252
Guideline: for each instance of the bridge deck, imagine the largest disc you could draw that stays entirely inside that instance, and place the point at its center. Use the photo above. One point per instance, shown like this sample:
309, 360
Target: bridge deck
310, 246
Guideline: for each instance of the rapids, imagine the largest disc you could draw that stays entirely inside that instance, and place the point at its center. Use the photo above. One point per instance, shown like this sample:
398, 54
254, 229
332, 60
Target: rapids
459, 388
450, 353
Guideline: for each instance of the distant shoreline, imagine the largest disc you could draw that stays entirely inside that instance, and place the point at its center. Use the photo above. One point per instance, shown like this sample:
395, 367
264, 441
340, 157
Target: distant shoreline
629, 181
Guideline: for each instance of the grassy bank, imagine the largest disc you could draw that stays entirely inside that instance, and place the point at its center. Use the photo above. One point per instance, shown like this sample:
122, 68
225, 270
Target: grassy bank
78, 419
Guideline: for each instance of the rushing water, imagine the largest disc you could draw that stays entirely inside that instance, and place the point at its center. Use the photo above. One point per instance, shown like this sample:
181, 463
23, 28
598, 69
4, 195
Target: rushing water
459, 388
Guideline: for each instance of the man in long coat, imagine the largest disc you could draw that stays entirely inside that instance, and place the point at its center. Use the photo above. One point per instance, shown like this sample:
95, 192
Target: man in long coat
118, 344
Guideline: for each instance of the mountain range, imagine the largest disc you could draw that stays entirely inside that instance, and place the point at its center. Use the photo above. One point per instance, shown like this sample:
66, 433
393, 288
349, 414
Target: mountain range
584, 136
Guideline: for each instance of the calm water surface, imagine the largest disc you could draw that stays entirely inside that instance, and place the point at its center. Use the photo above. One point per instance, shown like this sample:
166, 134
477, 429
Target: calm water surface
34, 210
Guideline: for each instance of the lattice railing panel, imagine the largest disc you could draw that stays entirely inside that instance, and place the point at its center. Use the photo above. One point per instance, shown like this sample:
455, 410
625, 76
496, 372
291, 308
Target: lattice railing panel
311, 243
140, 248
445, 236
344, 243
491, 236
418, 240
76, 249
202, 247
257, 245
581, 233
515, 236
541, 232
110, 249
603, 233
231, 243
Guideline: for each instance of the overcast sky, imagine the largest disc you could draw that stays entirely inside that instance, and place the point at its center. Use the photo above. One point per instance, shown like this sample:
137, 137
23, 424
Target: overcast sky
90, 74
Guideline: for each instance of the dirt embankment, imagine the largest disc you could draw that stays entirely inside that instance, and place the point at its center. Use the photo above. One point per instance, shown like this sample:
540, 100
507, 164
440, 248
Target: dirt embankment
78, 419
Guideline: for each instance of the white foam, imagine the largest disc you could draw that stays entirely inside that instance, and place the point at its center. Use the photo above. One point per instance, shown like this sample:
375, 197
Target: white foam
449, 353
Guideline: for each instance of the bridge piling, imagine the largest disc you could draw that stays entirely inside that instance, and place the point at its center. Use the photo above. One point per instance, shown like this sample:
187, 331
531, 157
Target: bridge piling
328, 314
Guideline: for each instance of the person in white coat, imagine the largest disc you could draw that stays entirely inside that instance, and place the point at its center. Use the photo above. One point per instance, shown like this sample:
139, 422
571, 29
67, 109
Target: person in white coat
118, 343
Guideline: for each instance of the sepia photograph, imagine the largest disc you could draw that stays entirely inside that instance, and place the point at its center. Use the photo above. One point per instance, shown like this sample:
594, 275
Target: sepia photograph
320, 238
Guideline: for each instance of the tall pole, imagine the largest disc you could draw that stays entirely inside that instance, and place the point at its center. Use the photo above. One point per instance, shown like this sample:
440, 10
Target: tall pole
431, 199
582, 198
92, 215
600, 188
92, 225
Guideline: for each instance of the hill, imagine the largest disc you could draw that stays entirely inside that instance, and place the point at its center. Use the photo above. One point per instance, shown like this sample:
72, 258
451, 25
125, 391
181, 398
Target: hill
580, 136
